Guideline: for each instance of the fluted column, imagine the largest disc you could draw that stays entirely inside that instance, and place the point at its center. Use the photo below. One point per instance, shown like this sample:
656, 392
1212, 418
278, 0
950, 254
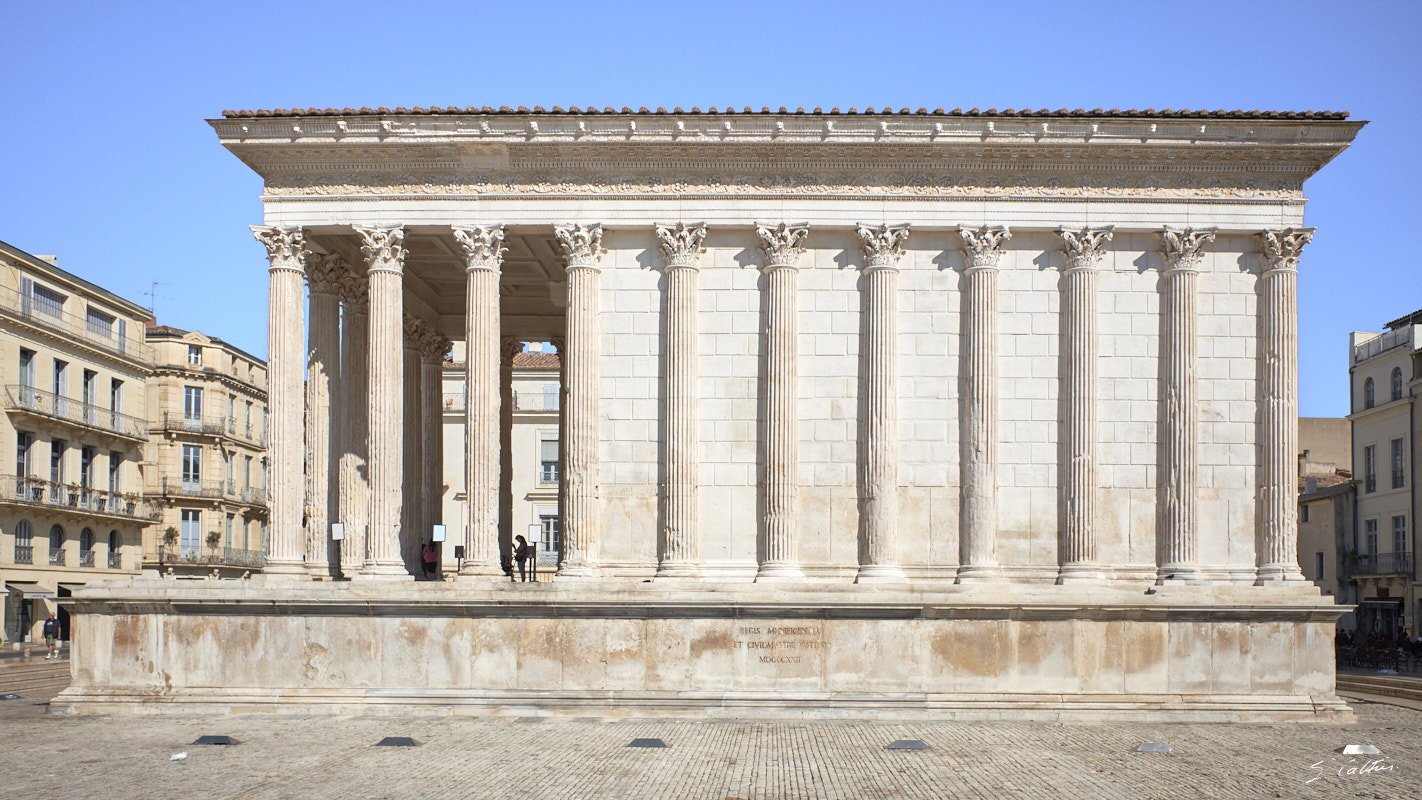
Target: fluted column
583, 248
432, 351
1277, 547
286, 253
483, 257
1176, 549
355, 381
560, 345
413, 529
978, 544
678, 546
385, 258
1084, 249
509, 347
879, 433
322, 382
779, 551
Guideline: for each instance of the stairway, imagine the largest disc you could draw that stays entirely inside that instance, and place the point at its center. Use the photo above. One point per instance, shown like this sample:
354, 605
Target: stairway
33, 676
1404, 687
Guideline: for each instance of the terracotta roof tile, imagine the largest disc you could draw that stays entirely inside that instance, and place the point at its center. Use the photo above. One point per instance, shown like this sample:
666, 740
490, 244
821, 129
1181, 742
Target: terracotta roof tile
536, 360
1167, 113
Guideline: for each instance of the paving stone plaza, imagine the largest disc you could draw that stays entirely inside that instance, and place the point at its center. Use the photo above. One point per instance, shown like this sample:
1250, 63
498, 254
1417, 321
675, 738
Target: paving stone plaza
44, 755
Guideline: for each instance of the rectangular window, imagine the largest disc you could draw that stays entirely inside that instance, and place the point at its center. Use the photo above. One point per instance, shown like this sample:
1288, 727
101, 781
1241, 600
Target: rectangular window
190, 532
247, 474
1399, 534
550, 397
1397, 471
230, 519
1303, 513
1318, 567
24, 446
99, 323
115, 471
192, 465
90, 391
61, 379
48, 302
548, 461
192, 402
1370, 469
195, 355
548, 541
27, 367
56, 460
1370, 530
87, 454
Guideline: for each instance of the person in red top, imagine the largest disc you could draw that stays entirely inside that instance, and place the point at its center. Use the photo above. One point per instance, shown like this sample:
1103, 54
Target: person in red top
431, 559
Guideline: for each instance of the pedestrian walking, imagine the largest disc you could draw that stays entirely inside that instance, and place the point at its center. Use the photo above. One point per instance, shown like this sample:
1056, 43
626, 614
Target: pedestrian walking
521, 556
51, 636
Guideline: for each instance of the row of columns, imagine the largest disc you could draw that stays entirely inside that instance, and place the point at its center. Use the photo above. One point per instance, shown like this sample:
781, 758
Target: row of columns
368, 437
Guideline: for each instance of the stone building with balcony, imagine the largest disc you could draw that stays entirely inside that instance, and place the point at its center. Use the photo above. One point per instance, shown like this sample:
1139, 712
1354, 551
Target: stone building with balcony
1385, 376
74, 368
529, 499
207, 405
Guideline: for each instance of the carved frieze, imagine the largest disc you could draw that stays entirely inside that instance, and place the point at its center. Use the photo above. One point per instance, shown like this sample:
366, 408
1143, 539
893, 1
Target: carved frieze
1282, 248
681, 245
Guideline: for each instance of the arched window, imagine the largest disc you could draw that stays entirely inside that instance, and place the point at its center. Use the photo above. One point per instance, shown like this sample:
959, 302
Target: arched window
1397, 383
86, 548
24, 542
115, 550
56, 546
1368, 393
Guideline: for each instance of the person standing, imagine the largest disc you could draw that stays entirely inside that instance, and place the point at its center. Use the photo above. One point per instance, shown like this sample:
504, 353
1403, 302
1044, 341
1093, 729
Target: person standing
521, 556
431, 559
51, 636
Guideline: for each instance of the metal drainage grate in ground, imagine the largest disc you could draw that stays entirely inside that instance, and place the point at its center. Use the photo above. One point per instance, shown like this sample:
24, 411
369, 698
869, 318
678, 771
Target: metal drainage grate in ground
909, 744
216, 740
1154, 747
398, 741
646, 743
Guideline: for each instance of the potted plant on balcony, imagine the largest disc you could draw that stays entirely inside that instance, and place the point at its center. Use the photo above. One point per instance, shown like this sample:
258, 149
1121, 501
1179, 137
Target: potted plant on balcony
170, 540
101, 501
129, 500
73, 494
36, 489
213, 539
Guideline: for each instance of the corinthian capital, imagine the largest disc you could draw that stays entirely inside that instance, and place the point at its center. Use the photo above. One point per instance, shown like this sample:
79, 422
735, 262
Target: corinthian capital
1183, 248
983, 246
1282, 248
325, 272
415, 332
286, 247
355, 291
781, 243
681, 245
433, 347
483, 247
1084, 248
383, 247
883, 246
582, 245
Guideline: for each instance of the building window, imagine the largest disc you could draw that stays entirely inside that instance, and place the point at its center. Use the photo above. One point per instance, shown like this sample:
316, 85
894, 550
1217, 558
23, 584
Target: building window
115, 471
87, 454
548, 538
231, 518
116, 397
550, 397
86, 548
192, 465
1303, 513
27, 368
115, 550
548, 460
190, 532
1370, 469
56, 467
1399, 534
1370, 530
61, 383
1318, 567
1398, 478
1397, 383
1368, 393
99, 323
194, 355
192, 403
56, 546
24, 446
48, 302
24, 542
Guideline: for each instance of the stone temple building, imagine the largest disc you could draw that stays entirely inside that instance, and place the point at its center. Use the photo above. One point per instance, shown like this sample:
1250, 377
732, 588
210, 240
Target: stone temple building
864, 413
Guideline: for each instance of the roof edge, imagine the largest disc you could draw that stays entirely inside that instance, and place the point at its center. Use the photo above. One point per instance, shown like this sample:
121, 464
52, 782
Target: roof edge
1079, 113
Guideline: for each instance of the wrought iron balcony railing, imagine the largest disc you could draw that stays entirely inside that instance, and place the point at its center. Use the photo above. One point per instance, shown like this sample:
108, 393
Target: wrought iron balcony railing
214, 426
221, 557
79, 500
24, 554
77, 328
1399, 563
214, 489
47, 404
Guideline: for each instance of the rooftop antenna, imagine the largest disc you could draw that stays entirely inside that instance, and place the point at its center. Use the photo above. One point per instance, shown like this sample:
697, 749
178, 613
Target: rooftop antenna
153, 296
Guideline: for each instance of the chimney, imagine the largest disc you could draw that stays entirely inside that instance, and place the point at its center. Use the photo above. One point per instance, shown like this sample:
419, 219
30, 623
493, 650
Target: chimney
53, 261
1310, 485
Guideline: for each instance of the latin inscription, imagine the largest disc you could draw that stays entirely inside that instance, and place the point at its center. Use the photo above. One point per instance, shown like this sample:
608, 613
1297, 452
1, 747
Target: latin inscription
781, 644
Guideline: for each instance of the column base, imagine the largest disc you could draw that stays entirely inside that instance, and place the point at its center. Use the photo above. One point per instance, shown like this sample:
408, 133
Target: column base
981, 573
1080, 573
880, 573
1276, 574
383, 572
678, 569
319, 572
579, 571
285, 569
772, 571
1180, 576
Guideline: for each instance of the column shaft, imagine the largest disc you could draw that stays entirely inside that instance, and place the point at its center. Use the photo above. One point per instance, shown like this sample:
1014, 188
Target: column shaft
979, 526
286, 251
678, 549
432, 432
482, 389
583, 247
1181, 422
322, 377
879, 480
414, 531
386, 410
354, 488
1078, 544
508, 350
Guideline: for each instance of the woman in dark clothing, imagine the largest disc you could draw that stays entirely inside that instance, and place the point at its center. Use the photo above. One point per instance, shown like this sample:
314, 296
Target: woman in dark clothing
521, 556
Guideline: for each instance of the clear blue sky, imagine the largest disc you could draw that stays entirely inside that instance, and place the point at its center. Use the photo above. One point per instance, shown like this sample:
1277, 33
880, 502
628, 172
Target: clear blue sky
107, 161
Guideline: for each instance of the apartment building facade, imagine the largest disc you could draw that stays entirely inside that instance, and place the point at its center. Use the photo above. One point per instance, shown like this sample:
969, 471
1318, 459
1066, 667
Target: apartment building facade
1384, 381
208, 417
74, 368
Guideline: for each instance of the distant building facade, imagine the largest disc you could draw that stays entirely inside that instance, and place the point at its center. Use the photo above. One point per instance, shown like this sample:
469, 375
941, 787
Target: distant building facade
1384, 382
208, 420
532, 432
75, 368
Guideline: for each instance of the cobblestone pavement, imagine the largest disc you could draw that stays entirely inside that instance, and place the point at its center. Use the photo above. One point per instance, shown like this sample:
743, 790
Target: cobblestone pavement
44, 756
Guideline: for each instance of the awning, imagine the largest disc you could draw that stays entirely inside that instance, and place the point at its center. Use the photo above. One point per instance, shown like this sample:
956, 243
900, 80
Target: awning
29, 591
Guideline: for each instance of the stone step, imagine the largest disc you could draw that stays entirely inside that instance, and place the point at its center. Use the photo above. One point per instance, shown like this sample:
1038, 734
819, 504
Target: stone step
1386, 685
34, 687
